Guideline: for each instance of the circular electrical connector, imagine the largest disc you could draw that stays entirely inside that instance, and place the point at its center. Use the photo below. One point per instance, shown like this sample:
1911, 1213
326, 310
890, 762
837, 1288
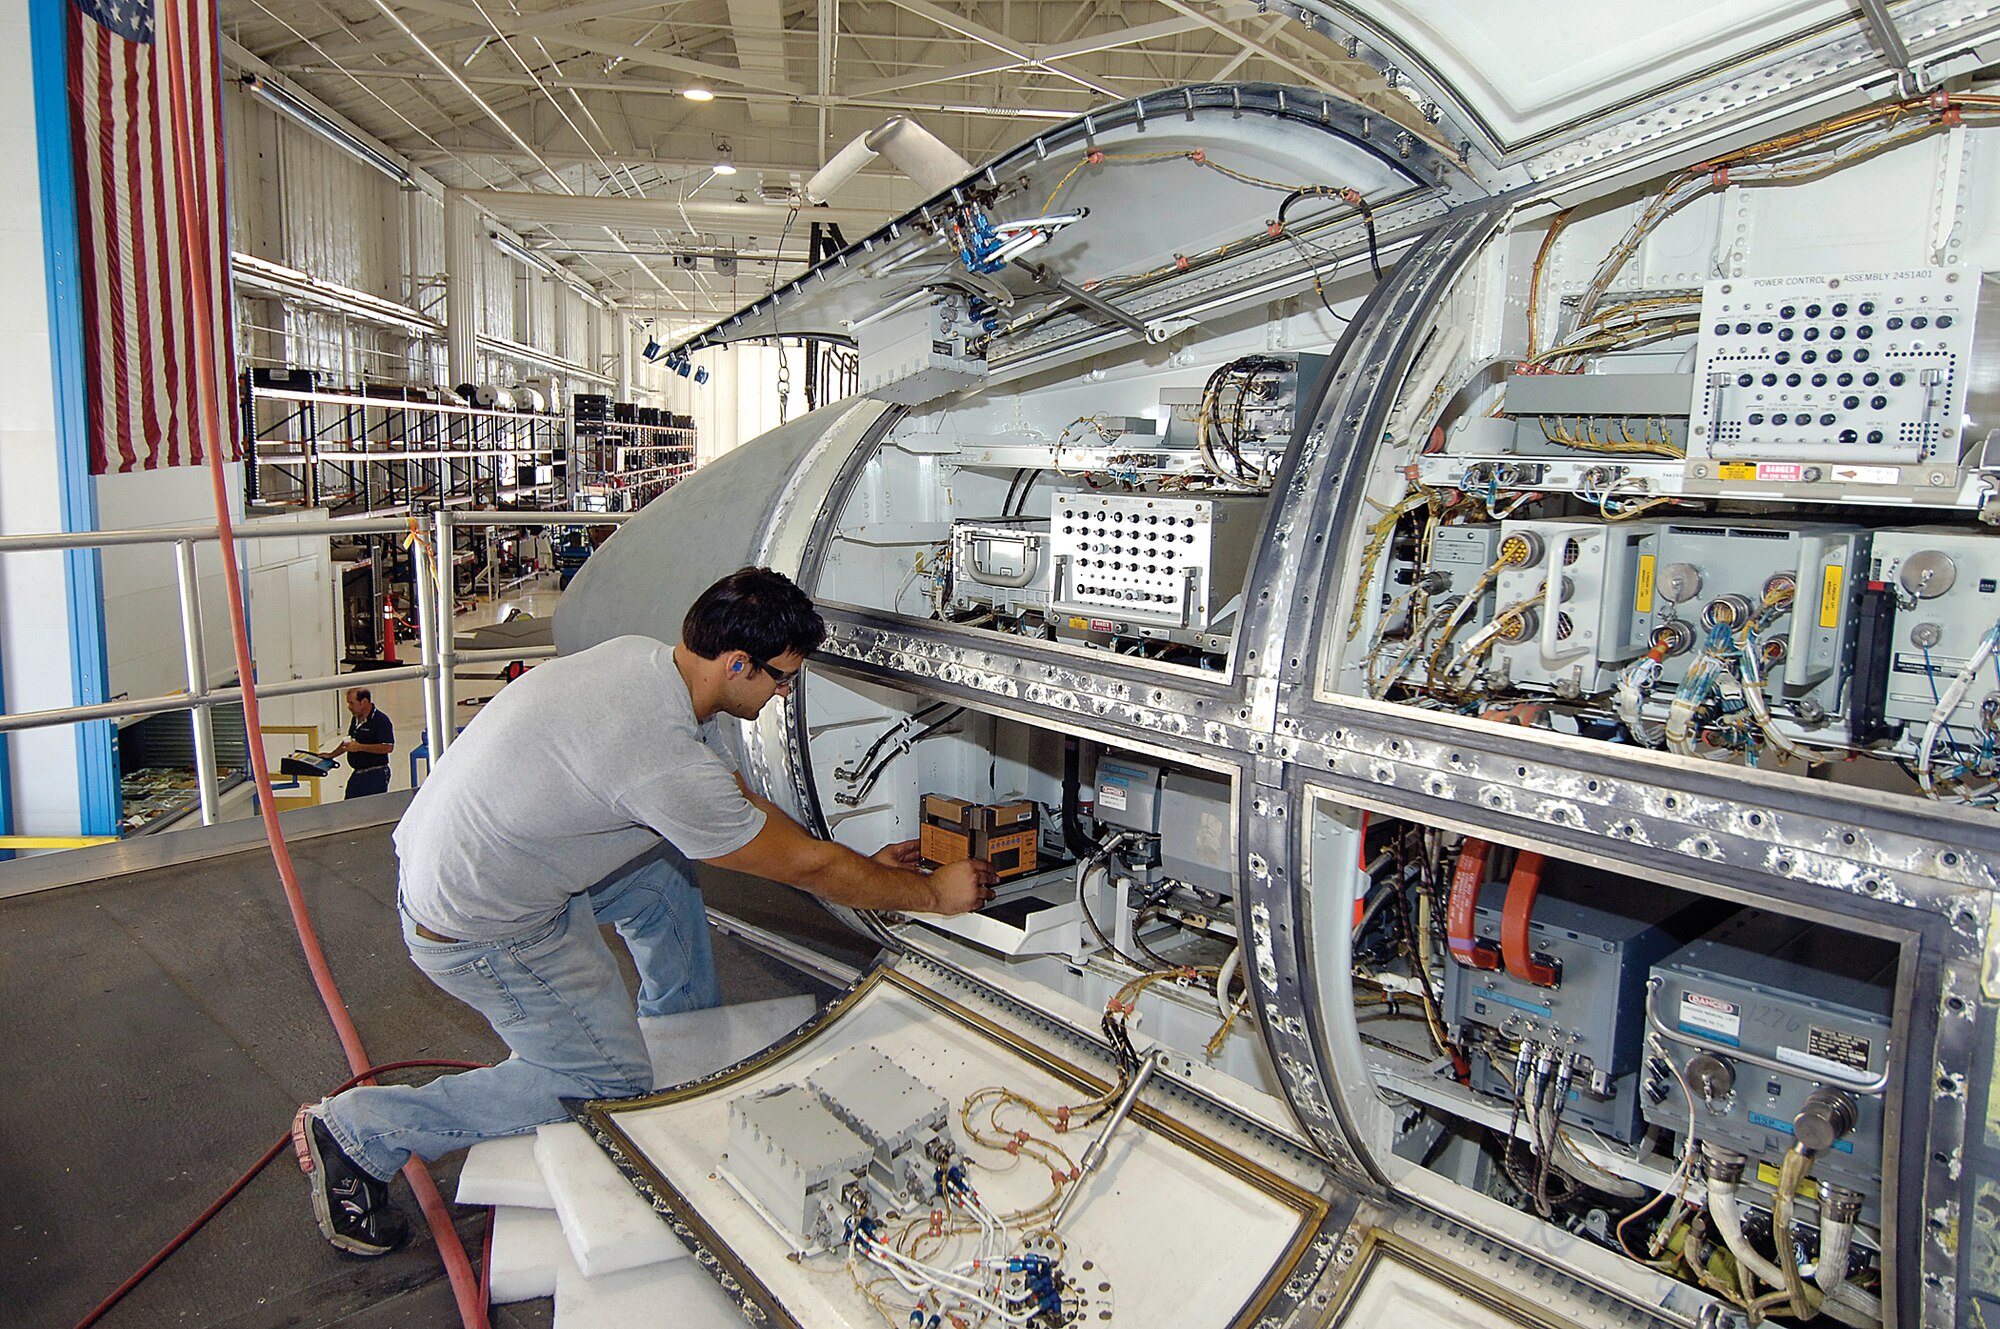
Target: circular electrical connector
1780, 584
1672, 637
1519, 626
1521, 549
1928, 573
1679, 582
1726, 611
1712, 1077
1923, 636
1775, 649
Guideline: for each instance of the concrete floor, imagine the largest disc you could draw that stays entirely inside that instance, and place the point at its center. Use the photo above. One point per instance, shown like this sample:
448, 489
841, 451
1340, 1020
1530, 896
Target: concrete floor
162, 1030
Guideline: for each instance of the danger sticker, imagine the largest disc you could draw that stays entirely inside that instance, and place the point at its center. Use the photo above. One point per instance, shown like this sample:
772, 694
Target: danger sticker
1713, 1016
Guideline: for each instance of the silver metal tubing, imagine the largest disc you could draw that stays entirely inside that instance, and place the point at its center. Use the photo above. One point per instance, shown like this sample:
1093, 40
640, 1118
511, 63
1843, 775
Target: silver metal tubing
178, 701
1872, 1088
1095, 1154
447, 654
166, 535
502, 653
195, 649
424, 575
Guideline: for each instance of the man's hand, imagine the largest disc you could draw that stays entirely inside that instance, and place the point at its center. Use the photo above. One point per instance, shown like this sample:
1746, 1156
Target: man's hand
340, 751
960, 887
905, 854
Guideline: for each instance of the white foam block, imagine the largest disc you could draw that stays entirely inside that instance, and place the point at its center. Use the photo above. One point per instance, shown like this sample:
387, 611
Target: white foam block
504, 1172
528, 1250
697, 1043
608, 1227
682, 1294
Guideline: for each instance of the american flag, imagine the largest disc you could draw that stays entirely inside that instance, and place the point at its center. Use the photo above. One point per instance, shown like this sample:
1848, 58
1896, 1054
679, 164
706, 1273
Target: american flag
141, 324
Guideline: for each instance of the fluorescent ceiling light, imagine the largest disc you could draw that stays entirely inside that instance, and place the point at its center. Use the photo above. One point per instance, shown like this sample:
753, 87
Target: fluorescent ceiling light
697, 93
542, 263
313, 119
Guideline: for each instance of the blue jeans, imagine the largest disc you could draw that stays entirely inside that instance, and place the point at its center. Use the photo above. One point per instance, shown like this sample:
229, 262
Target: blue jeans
367, 780
555, 996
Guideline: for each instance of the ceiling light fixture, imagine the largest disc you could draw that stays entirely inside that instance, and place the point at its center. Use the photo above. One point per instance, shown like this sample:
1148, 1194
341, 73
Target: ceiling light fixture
697, 93
542, 263
304, 114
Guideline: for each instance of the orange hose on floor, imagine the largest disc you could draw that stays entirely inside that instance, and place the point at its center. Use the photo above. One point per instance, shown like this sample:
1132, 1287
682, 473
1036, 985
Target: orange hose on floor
195, 230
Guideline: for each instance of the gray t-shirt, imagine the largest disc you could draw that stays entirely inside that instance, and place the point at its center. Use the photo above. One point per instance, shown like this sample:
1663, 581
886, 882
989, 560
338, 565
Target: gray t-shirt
574, 770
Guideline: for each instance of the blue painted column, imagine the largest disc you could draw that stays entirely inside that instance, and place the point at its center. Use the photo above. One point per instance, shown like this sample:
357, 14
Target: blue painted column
98, 801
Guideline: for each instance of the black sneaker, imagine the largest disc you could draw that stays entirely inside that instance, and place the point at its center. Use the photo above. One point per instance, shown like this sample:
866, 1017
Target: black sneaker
352, 1207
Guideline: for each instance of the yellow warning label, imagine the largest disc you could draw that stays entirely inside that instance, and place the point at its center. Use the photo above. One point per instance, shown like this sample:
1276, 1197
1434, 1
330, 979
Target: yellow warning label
1736, 470
1079, 624
1808, 1186
1643, 593
1829, 595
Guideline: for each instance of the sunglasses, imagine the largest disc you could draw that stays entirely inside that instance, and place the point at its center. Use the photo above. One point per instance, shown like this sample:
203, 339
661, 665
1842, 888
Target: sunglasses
781, 678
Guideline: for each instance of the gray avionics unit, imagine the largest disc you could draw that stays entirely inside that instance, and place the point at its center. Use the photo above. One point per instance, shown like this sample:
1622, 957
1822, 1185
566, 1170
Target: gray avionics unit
1811, 999
1197, 832
896, 1113
1597, 1007
1708, 573
1947, 584
1000, 563
793, 1157
920, 353
1151, 559
1128, 794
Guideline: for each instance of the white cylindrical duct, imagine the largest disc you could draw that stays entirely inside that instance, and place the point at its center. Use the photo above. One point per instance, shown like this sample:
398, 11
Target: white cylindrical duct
461, 288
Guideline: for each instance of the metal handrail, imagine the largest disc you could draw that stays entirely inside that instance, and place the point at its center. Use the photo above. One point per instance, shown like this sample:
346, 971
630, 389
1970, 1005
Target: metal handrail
438, 660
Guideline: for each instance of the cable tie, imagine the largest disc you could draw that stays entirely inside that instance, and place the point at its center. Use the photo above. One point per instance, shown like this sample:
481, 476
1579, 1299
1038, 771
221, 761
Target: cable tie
1198, 157
1013, 1146
1719, 177
1022, 1136
1060, 1178
1351, 195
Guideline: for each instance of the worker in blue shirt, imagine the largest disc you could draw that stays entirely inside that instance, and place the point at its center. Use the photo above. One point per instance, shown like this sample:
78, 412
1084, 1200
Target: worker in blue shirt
370, 740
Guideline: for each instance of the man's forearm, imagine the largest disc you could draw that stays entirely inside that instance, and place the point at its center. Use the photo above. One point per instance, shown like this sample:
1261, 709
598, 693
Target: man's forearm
840, 876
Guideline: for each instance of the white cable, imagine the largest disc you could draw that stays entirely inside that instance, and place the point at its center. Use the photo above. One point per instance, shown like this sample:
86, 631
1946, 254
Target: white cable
1948, 703
1223, 978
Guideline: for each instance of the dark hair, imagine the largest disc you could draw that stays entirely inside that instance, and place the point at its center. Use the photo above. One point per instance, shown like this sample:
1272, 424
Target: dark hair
363, 694
756, 611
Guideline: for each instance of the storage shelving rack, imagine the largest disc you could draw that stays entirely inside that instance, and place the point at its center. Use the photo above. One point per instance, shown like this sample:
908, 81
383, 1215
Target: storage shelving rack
384, 449
620, 465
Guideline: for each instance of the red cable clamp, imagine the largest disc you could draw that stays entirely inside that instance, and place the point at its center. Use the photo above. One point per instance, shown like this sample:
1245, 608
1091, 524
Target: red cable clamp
1076, 1174
1022, 1136
1198, 157
1013, 1146
1059, 1178
1180, 262
1719, 177
1351, 196
1517, 916
1062, 1119
1474, 952
937, 1222
1095, 156
1274, 229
